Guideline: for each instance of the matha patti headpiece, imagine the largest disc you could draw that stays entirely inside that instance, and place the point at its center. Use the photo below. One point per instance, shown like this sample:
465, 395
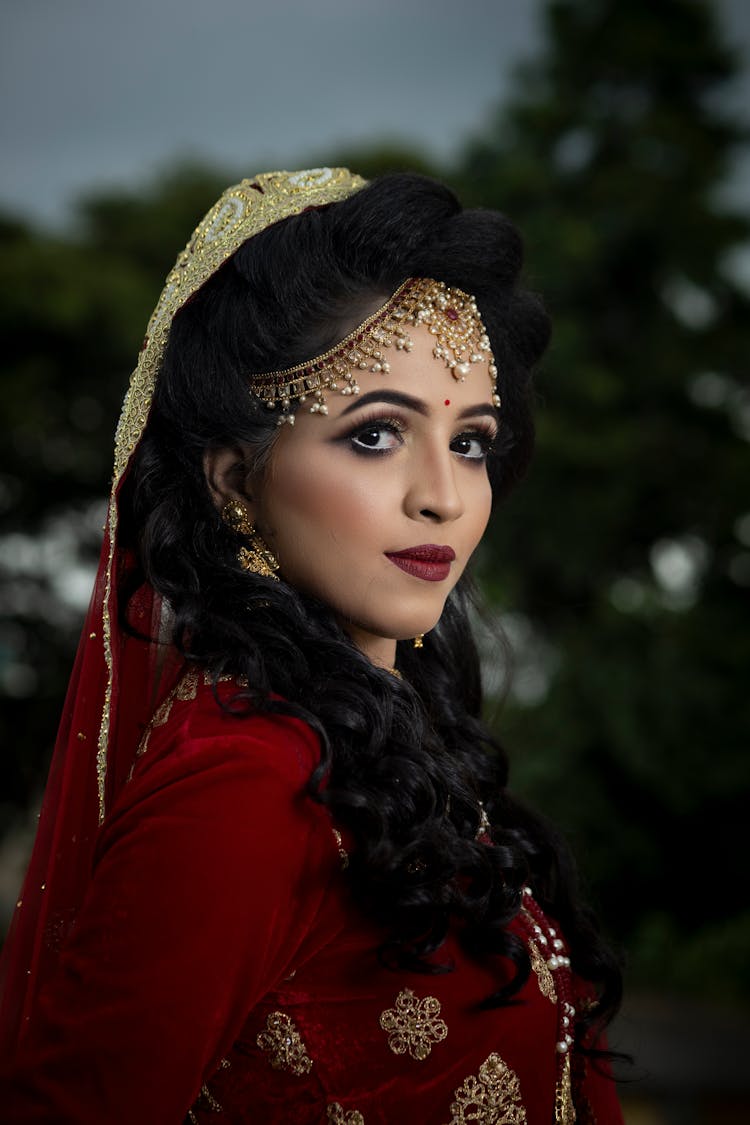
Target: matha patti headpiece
449, 314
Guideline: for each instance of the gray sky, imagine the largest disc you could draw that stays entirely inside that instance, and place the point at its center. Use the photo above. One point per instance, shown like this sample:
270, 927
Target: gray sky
102, 92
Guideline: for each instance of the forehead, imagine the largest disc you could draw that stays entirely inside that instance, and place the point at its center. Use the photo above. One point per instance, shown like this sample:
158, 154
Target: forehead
419, 373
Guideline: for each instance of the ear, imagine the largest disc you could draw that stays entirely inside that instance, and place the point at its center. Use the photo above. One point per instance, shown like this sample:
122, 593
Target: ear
227, 476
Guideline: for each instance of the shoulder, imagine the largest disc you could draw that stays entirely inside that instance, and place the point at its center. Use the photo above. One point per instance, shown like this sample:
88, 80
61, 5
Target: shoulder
208, 762
201, 722
214, 795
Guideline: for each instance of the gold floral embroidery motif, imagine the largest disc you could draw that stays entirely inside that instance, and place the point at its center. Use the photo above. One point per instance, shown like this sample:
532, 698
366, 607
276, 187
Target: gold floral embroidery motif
413, 1025
284, 1045
543, 973
185, 691
565, 1110
492, 1098
337, 1115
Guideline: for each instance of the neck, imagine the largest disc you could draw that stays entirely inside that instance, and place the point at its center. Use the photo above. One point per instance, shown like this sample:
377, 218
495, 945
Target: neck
380, 651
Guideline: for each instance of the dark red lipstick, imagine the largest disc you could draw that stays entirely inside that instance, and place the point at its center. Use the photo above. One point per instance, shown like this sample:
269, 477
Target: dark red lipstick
427, 561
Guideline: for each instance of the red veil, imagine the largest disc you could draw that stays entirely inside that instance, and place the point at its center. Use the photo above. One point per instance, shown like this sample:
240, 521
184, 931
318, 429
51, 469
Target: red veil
118, 680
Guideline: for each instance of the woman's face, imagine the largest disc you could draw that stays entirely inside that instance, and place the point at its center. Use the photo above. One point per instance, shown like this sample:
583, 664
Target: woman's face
377, 507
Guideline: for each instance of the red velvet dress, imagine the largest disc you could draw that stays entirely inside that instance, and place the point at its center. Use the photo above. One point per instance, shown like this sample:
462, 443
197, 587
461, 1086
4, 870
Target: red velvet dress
219, 973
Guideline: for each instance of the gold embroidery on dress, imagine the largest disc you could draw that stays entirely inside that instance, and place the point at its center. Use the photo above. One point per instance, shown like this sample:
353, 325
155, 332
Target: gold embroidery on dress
343, 854
492, 1098
413, 1025
565, 1110
337, 1115
209, 679
207, 1098
543, 974
186, 690
284, 1044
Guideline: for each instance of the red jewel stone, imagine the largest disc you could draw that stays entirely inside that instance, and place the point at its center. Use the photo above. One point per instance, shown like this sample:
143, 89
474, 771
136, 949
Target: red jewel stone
451, 314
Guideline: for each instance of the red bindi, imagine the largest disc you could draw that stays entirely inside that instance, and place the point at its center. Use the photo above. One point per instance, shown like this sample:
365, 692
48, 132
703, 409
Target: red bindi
447, 402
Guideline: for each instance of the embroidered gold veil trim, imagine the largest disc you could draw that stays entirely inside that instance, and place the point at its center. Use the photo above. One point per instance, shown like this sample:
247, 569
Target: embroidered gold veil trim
242, 212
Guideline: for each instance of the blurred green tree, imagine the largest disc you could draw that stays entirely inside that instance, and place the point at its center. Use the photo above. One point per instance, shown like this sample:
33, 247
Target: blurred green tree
624, 561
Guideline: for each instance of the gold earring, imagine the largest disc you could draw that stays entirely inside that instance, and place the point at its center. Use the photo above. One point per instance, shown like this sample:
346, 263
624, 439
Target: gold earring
418, 640
256, 556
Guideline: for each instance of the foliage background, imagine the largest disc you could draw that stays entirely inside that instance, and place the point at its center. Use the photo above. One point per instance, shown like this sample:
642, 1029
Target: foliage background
619, 571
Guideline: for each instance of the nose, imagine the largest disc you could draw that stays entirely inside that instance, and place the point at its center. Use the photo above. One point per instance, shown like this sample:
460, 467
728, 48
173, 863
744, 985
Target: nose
434, 494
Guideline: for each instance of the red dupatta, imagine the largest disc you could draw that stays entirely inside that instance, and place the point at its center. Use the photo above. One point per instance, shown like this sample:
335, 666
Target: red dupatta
119, 680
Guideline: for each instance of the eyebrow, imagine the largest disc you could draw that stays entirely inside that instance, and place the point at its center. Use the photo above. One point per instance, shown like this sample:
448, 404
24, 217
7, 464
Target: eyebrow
397, 398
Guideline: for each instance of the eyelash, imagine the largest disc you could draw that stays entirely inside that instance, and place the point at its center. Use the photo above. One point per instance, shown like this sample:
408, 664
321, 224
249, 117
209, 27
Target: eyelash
484, 434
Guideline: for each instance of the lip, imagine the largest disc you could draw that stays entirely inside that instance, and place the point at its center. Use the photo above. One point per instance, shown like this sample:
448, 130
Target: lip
428, 561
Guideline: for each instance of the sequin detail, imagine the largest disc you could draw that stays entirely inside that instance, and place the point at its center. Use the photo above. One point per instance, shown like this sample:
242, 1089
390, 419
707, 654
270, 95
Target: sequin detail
565, 1110
413, 1025
284, 1044
543, 974
185, 691
337, 1115
343, 854
206, 1100
491, 1098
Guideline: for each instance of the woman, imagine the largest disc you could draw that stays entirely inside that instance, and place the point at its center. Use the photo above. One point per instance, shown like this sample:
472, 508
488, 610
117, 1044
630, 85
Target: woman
278, 875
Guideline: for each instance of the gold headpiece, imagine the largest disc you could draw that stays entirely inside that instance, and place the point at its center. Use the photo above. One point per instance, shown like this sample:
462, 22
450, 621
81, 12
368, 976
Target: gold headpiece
244, 210
449, 314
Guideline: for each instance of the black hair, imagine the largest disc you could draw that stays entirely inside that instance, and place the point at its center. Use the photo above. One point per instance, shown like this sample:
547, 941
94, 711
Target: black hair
405, 762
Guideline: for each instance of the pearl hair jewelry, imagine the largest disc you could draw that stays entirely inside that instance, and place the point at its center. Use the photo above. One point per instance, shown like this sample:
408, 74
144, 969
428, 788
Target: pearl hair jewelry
449, 314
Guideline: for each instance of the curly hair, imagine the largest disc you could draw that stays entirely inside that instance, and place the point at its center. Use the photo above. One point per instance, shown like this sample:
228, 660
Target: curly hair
405, 762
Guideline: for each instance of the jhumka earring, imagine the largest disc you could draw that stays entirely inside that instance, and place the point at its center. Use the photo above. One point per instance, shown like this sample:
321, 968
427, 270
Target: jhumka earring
256, 556
418, 640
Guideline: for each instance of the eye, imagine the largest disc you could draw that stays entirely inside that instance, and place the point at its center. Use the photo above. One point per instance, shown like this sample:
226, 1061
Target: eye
473, 446
377, 437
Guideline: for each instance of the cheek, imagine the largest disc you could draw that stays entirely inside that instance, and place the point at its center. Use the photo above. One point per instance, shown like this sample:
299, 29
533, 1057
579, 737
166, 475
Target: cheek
321, 498
480, 508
